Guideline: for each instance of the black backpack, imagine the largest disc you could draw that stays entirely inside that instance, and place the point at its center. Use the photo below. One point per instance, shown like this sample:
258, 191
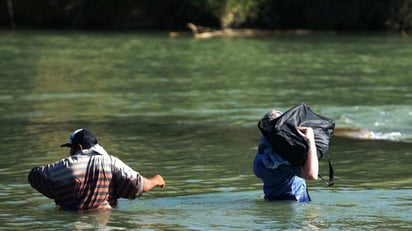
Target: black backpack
286, 141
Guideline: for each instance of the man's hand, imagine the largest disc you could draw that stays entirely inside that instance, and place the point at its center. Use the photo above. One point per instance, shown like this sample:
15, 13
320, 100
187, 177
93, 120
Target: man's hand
306, 133
156, 181
159, 181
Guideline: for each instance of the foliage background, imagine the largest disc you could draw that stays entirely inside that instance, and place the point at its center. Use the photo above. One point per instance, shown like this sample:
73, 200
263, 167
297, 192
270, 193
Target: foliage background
174, 14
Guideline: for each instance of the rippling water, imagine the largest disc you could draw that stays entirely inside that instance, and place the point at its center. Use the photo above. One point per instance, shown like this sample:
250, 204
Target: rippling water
188, 109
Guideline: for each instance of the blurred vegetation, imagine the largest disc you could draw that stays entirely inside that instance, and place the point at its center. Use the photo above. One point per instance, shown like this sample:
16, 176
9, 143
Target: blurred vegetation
174, 14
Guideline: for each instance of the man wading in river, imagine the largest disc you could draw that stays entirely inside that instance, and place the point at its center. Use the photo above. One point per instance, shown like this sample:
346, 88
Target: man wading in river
89, 178
281, 180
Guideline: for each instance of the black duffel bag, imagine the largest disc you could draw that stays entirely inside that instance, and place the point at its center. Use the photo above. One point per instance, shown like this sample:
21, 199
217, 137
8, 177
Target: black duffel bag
286, 141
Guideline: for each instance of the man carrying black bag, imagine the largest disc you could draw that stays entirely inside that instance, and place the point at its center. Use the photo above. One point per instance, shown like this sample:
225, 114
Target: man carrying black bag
298, 149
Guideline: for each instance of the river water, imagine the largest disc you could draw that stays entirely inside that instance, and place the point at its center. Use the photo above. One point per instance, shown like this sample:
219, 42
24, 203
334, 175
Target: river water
188, 109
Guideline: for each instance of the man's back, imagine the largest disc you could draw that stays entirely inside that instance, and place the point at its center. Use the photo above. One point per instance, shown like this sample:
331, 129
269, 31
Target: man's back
87, 180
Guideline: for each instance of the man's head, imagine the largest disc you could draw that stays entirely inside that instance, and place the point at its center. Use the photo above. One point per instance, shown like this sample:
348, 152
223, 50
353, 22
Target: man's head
273, 114
81, 139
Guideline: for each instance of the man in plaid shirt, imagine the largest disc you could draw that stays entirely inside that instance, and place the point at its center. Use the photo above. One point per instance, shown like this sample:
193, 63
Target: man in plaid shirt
90, 178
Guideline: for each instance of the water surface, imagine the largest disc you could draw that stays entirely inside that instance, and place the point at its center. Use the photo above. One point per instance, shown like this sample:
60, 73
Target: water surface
188, 109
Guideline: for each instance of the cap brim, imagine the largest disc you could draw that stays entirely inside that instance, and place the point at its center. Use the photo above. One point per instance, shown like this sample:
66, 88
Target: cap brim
66, 145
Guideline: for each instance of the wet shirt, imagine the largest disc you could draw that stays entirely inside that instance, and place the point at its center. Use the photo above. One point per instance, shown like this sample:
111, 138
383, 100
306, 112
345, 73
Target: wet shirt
87, 180
281, 180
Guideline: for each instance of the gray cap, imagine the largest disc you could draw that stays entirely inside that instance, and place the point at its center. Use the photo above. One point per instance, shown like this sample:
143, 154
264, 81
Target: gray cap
273, 114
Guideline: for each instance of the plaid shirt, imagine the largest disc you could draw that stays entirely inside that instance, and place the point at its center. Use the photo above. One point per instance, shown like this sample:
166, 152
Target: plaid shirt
87, 180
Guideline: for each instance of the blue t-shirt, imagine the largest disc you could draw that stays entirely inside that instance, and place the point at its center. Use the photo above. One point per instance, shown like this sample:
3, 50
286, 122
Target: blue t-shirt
281, 180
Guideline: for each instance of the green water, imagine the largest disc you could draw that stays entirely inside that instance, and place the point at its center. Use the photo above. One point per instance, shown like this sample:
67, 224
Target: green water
188, 109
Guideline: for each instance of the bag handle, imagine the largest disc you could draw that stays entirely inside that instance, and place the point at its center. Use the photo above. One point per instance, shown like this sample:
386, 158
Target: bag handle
331, 180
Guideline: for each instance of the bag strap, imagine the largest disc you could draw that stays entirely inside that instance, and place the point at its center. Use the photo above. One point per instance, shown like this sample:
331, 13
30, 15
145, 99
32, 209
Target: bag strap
331, 180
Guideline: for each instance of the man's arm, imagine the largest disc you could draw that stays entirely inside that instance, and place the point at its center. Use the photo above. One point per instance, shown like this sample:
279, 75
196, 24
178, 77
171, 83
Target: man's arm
38, 181
310, 168
129, 183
